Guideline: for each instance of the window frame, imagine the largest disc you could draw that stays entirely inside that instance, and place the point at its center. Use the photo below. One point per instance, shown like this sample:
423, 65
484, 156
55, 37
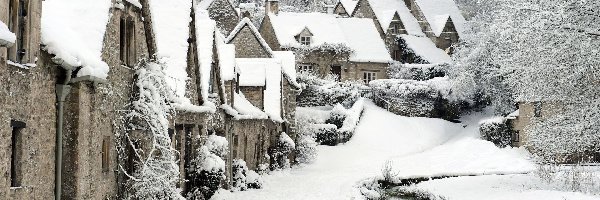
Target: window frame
106, 154
17, 23
16, 151
305, 40
306, 68
369, 76
537, 109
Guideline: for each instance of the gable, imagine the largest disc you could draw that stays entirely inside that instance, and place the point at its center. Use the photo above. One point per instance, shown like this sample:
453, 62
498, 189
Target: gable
248, 45
340, 10
224, 14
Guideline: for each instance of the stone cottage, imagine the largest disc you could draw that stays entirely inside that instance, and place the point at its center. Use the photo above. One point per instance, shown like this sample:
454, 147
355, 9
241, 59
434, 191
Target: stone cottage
94, 48
348, 48
264, 99
395, 18
27, 122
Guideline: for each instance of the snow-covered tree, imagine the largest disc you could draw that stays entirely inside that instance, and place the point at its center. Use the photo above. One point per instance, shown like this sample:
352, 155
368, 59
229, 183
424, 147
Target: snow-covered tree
537, 50
157, 172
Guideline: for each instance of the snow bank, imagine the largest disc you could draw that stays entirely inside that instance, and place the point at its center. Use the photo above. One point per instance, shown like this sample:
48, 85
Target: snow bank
7, 38
171, 20
73, 31
437, 13
426, 49
463, 157
496, 187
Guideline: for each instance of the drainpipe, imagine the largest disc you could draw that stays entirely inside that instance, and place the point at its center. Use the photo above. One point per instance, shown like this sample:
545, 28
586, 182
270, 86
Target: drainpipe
62, 90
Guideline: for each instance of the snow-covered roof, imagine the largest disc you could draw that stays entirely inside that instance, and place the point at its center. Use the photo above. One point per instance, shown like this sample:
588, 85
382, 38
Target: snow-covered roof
513, 115
247, 23
7, 38
288, 65
73, 31
205, 40
349, 5
171, 28
426, 49
356, 33
385, 10
362, 36
135, 3
263, 72
437, 13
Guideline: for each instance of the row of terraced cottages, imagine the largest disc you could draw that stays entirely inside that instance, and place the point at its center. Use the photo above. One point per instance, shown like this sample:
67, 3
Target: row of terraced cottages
68, 70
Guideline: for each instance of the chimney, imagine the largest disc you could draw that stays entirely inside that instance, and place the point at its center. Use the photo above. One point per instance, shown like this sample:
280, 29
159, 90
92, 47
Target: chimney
272, 6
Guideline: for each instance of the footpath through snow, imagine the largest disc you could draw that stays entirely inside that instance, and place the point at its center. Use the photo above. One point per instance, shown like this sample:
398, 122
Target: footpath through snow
417, 146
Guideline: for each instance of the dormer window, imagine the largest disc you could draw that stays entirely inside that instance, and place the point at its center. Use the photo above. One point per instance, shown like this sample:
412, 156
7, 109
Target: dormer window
305, 40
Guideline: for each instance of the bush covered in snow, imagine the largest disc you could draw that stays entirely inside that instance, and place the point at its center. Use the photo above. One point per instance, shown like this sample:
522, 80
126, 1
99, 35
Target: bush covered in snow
207, 170
317, 91
496, 130
326, 134
243, 178
430, 98
420, 72
280, 152
306, 146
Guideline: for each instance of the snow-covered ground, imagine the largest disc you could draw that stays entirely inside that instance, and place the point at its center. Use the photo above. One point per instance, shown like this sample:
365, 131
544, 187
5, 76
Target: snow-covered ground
416, 146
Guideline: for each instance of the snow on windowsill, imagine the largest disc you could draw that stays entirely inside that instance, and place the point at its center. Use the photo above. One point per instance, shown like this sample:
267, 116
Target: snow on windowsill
22, 66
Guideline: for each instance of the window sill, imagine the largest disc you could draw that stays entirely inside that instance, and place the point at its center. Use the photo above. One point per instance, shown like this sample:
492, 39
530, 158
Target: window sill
19, 65
16, 188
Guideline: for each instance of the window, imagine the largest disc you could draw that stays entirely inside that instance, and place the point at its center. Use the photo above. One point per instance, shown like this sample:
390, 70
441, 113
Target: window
307, 68
369, 76
16, 153
17, 23
127, 52
537, 109
106, 154
305, 40
398, 55
394, 29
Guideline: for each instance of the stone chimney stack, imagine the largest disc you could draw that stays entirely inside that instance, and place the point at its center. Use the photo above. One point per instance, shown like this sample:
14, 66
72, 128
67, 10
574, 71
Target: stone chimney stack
272, 6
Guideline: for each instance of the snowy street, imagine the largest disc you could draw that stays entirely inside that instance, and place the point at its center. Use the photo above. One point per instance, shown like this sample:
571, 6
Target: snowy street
417, 147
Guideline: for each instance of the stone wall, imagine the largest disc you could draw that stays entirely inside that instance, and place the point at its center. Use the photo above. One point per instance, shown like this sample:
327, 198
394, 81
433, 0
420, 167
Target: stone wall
526, 115
251, 140
268, 33
27, 95
356, 69
91, 112
255, 95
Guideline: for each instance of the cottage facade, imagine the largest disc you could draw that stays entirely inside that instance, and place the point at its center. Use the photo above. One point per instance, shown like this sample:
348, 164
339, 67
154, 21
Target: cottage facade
325, 44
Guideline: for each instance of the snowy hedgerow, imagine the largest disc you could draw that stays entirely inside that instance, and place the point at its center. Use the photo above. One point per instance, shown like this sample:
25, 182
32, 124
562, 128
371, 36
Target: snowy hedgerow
280, 152
337, 116
207, 171
331, 49
158, 173
420, 72
326, 134
496, 130
317, 91
306, 146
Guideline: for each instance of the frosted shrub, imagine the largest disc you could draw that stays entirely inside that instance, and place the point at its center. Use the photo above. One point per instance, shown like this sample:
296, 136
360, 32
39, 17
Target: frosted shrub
253, 180
420, 72
207, 171
327, 134
317, 91
337, 116
280, 152
239, 171
306, 146
497, 131
217, 145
